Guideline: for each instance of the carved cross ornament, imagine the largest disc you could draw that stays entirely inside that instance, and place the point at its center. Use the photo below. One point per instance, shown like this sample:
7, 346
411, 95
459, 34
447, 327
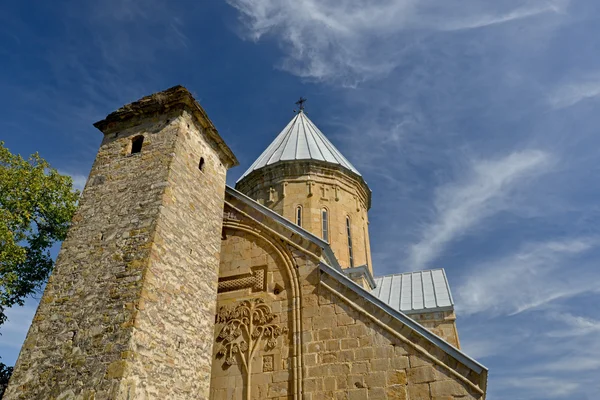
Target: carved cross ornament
246, 325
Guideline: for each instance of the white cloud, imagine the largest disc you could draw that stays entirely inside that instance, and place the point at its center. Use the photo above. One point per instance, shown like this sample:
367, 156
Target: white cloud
576, 326
354, 40
526, 11
546, 386
532, 277
461, 206
571, 94
79, 180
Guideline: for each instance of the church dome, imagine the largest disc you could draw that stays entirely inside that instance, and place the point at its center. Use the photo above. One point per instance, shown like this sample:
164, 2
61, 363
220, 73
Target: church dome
300, 140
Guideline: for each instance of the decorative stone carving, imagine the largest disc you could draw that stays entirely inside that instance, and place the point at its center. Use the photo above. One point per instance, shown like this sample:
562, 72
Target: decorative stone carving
310, 184
256, 280
271, 195
268, 363
230, 215
246, 325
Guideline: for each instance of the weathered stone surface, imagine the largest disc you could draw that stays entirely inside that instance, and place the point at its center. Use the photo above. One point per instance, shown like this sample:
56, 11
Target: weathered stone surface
157, 251
315, 186
132, 299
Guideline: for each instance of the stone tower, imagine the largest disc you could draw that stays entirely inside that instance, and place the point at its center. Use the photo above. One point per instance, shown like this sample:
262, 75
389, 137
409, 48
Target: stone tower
304, 178
129, 309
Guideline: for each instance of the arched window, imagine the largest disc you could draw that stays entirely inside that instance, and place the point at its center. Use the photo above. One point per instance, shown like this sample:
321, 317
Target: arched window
136, 144
201, 164
299, 215
325, 224
349, 242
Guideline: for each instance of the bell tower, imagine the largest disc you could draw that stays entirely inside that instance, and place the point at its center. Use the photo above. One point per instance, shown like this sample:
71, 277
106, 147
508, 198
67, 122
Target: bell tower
303, 177
128, 309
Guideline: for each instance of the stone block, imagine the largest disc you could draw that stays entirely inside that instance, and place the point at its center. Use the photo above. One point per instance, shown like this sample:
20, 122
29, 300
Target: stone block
418, 391
447, 388
357, 394
377, 394
396, 377
421, 374
400, 362
398, 392
380, 364
376, 379
350, 343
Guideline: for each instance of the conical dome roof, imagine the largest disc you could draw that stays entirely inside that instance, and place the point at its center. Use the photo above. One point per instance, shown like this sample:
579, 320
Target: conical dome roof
300, 140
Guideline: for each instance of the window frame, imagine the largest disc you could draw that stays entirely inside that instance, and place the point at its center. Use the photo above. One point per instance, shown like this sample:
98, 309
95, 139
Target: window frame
325, 224
299, 215
349, 235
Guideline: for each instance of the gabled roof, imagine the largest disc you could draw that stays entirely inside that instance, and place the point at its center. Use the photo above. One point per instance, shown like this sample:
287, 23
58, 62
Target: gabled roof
414, 292
300, 140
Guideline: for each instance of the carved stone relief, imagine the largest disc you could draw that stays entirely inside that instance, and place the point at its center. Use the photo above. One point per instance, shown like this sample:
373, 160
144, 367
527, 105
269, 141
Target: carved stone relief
242, 329
268, 363
255, 280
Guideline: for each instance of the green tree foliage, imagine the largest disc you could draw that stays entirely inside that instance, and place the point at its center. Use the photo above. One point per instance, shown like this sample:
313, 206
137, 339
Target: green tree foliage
36, 207
5, 373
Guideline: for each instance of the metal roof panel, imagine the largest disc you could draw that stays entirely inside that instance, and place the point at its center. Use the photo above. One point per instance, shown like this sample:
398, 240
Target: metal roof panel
412, 292
300, 140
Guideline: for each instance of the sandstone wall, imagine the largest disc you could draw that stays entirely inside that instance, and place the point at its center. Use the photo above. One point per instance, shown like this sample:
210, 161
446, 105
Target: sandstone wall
129, 306
314, 187
354, 351
346, 347
442, 324
270, 367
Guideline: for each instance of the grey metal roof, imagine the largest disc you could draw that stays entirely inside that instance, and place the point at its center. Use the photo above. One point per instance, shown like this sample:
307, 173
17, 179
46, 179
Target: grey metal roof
300, 140
413, 292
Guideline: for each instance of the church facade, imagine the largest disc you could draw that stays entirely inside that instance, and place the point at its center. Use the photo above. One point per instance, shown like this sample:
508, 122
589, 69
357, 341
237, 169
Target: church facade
173, 285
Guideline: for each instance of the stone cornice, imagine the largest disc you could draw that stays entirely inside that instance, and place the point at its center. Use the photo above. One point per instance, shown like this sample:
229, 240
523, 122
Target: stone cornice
299, 168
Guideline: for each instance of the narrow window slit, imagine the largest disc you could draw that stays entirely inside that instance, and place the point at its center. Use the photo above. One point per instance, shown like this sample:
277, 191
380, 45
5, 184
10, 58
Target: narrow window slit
136, 144
325, 225
351, 257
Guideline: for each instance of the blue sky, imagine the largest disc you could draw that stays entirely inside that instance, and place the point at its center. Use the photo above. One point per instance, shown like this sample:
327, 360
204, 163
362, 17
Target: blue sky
475, 124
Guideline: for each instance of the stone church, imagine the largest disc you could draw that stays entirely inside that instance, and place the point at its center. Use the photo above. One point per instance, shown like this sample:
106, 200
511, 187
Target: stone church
173, 285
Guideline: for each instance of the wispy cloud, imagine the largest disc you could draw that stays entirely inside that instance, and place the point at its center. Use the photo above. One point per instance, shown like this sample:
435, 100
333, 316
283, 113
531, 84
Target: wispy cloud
462, 205
358, 39
525, 11
546, 386
570, 94
79, 180
576, 325
530, 278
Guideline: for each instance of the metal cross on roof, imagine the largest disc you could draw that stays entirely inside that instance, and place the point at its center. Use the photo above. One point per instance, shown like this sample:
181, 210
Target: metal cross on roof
301, 103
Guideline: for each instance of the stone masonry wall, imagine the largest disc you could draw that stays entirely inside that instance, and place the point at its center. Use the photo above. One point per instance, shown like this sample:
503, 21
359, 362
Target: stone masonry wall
114, 321
169, 355
442, 324
270, 366
314, 187
345, 353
